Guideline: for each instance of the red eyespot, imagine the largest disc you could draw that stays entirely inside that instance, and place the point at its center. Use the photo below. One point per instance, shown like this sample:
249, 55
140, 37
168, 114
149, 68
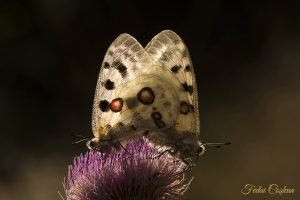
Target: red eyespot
116, 105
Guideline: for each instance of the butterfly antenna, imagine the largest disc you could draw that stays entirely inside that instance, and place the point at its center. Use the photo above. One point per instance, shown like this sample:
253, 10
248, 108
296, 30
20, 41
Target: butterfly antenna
217, 145
80, 136
85, 139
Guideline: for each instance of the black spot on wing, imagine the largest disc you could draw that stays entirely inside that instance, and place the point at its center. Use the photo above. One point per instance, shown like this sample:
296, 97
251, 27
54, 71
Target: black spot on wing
120, 67
109, 85
175, 69
187, 68
103, 105
187, 88
184, 108
146, 96
160, 123
106, 65
121, 124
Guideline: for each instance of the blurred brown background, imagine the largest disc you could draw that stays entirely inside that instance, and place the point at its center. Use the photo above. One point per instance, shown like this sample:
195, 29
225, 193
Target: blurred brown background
247, 59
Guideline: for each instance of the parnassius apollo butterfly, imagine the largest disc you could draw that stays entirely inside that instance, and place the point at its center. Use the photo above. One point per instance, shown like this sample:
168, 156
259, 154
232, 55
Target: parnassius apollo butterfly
150, 92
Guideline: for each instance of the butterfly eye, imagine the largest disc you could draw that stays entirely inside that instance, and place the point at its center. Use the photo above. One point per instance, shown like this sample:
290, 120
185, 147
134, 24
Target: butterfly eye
200, 150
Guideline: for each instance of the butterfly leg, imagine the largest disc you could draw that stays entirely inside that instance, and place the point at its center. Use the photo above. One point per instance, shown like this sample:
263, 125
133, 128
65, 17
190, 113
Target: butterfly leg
197, 157
187, 168
188, 164
162, 153
121, 145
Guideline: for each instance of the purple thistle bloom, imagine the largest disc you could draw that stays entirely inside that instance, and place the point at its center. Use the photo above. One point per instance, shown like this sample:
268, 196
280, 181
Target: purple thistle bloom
140, 172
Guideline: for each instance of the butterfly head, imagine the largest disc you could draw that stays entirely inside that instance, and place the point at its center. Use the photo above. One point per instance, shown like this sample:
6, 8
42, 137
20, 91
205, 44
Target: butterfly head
190, 147
92, 143
101, 139
99, 145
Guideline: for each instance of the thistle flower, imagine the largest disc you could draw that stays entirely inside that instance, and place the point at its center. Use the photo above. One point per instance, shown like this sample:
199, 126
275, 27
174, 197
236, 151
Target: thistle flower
140, 172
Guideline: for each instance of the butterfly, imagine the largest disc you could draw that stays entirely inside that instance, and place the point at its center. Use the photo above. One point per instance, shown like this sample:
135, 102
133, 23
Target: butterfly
150, 92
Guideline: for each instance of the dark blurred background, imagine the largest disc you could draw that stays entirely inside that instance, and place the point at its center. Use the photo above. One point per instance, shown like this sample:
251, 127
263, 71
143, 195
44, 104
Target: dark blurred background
247, 60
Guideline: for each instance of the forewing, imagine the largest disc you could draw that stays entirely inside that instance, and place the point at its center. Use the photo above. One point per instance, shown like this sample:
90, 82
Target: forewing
169, 51
124, 60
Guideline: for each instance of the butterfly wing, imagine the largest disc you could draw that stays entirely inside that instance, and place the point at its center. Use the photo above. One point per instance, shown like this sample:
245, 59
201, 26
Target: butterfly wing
131, 90
169, 51
123, 61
